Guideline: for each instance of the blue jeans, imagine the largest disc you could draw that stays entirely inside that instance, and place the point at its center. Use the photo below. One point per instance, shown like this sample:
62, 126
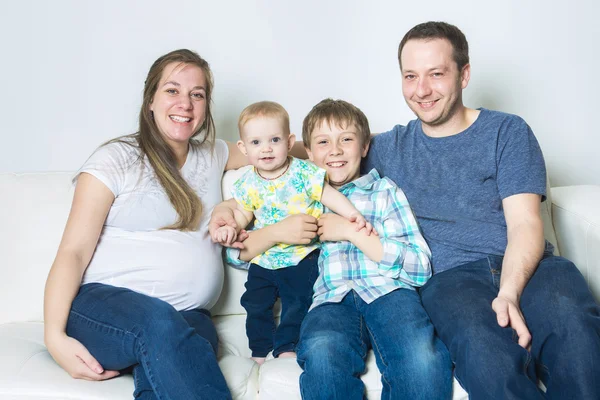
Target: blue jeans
294, 285
561, 315
335, 338
173, 354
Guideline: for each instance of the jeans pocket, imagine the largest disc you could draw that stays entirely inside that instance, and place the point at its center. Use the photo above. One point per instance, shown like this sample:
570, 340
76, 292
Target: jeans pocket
495, 266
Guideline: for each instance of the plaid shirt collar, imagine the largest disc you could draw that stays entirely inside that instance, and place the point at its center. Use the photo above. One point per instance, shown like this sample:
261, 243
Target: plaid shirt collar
365, 182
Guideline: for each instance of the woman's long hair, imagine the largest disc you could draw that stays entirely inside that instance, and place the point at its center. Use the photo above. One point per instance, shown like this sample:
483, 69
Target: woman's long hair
152, 145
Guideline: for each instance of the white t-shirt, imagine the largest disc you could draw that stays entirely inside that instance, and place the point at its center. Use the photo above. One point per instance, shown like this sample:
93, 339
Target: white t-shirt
185, 269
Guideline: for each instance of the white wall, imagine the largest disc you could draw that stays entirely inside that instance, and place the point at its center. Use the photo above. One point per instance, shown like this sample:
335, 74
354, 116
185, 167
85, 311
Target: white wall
72, 71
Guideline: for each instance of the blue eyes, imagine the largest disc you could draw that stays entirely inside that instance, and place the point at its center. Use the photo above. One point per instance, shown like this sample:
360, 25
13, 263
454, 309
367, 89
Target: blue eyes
256, 142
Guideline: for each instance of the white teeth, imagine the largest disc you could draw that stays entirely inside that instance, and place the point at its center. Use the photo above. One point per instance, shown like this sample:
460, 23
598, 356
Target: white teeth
177, 118
336, 164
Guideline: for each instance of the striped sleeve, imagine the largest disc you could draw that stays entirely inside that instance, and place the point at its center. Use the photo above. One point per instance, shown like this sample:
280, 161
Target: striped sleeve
406, 255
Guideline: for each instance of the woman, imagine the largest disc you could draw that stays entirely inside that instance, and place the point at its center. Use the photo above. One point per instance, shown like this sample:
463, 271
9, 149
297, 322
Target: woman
136, 271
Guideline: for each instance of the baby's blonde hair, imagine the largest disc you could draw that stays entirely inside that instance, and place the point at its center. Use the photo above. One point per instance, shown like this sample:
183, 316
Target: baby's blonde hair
265, 109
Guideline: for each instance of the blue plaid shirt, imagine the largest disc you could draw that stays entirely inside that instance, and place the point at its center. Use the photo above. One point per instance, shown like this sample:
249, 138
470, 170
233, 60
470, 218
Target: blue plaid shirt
405, 263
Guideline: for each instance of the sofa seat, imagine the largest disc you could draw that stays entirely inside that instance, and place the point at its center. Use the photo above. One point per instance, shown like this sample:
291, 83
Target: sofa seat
33, 210
28, 371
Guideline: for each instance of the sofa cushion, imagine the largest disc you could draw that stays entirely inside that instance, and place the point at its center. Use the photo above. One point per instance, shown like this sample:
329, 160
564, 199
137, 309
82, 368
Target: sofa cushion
279, 379
27, 371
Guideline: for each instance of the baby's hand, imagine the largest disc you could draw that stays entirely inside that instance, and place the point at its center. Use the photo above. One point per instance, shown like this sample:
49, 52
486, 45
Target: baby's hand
362, 223
225, 235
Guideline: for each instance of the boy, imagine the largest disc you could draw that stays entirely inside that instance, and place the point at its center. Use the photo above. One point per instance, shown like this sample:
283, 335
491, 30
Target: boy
365, 293
278, 186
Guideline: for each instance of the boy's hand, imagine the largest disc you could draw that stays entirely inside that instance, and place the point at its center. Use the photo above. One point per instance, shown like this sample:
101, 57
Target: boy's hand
225, 235
361, 223
333, 228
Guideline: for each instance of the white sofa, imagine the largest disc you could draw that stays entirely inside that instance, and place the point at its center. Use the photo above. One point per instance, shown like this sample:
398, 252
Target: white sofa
33, 211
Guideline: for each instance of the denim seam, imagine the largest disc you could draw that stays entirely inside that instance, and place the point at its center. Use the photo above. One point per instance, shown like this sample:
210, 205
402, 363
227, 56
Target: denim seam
381, 357
148, 369
102, 324
360, 327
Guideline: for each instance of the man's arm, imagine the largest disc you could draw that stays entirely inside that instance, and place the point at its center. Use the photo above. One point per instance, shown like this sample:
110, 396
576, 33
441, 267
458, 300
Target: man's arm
525, 234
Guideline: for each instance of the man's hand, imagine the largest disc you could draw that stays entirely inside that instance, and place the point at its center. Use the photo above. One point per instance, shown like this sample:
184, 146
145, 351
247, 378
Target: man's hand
508, 313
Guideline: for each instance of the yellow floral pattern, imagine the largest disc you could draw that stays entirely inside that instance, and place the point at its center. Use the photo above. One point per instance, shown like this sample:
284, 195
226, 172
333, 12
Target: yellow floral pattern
298, 191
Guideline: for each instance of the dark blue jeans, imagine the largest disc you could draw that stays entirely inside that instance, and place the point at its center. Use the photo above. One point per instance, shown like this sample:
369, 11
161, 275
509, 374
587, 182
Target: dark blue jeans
294, 285
173, 354
335, 338
561, 315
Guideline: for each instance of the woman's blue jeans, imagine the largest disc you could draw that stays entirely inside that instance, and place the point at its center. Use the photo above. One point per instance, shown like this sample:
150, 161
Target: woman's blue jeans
173, 354
335, 338
561, 315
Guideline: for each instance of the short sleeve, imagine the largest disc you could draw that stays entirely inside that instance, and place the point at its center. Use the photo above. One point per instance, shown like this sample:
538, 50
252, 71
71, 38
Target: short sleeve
110, 163
221, 153
314, 180
380, 146
244, 193
521, 167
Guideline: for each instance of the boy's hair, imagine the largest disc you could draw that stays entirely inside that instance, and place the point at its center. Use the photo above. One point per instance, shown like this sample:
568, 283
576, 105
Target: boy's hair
440, 30
339, 113
265, 109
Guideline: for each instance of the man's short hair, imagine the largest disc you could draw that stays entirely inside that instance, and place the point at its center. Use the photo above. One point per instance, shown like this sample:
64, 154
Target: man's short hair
339, 113
439, 30
265, 109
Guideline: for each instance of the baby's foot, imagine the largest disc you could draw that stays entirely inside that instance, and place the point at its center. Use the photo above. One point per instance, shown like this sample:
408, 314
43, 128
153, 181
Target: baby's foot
259, 360
287, 354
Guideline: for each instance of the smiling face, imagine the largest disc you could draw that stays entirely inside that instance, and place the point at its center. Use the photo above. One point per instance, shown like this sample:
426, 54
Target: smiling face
338, 150
266, 142
179, 104
431, 82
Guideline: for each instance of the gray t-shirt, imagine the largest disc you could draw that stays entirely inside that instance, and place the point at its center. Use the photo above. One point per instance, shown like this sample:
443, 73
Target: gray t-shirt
456, 184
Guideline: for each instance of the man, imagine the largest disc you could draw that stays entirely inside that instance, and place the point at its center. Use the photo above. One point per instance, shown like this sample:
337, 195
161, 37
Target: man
509, 312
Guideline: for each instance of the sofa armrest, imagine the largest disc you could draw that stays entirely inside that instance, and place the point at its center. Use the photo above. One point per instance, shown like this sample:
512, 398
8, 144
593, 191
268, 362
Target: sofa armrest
576, 219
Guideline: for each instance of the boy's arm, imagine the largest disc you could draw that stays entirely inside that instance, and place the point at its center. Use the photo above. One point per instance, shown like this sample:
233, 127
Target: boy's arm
298, 229
335, 228
406, 255
337, 202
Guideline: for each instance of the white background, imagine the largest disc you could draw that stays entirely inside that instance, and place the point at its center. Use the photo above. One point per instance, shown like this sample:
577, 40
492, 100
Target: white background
72, 71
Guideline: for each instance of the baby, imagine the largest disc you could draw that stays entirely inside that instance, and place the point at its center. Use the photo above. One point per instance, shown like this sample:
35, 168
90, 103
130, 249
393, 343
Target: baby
276, 187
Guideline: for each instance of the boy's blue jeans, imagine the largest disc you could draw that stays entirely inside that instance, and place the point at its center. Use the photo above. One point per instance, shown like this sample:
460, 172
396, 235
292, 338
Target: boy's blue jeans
173, 353
294, 285
335, 338
561, 315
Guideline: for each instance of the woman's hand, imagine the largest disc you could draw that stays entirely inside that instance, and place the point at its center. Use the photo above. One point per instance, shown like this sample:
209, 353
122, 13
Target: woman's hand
74, 358
223, 215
